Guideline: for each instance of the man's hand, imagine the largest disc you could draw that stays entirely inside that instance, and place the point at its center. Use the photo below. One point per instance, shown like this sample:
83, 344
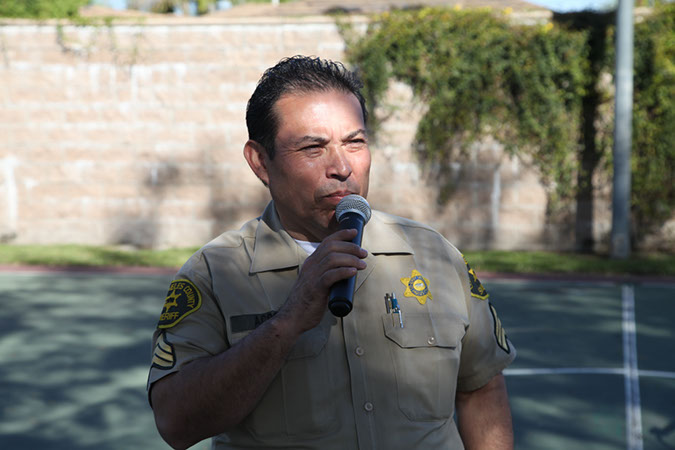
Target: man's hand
336, 258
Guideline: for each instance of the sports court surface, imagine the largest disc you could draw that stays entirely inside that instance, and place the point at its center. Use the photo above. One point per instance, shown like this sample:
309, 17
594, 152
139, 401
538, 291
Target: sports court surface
595, 366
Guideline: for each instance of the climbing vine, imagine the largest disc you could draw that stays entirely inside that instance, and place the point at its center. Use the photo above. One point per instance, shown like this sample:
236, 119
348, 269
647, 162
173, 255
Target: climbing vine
541, 90
653, 161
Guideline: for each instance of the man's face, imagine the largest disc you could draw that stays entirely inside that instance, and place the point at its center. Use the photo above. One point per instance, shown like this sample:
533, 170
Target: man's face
321, 155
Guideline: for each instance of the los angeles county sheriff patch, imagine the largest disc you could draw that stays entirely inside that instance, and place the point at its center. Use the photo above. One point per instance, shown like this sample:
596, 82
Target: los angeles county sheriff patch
417, 286
182, 299
477, 289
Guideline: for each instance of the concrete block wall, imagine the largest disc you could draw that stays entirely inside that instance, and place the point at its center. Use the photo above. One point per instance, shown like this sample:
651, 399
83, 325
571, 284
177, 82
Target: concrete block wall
133, 134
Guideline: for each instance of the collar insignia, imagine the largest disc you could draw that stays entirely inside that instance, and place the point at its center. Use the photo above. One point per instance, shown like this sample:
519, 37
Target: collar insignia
417, 286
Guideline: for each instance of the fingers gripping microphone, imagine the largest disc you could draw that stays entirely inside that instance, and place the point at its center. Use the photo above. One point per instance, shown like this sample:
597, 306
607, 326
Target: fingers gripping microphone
353, 211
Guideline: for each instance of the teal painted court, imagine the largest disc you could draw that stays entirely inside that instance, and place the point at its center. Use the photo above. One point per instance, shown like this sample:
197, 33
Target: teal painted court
595, 366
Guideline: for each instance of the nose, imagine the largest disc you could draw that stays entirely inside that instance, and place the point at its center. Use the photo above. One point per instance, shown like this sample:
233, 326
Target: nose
338, 166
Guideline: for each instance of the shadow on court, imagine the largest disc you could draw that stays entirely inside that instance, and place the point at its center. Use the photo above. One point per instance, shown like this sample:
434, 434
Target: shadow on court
74, 352
571, 385
75, 348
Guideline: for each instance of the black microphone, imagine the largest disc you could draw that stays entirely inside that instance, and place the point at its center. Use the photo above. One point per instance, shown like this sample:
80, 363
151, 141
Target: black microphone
353, 211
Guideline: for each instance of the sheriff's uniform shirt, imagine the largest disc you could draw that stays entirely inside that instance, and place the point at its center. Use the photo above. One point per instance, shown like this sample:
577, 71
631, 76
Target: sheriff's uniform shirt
360, 382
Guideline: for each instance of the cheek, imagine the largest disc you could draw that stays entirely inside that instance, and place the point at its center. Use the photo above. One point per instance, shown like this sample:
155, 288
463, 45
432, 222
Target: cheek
365, 175
363, 164
306, 180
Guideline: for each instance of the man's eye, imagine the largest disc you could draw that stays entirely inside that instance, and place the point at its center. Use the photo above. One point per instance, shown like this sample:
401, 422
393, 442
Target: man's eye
312, 149
357, 143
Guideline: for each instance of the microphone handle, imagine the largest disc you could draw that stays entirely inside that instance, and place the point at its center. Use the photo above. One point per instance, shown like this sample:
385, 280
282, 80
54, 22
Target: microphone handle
342, 292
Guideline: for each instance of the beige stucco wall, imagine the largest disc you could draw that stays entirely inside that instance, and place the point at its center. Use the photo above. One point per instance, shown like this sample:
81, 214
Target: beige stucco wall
133, 133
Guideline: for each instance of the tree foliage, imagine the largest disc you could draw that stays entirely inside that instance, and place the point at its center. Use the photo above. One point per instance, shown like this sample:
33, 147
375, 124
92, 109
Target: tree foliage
41, 9
169, 6
528, 86
479, 75
203, 6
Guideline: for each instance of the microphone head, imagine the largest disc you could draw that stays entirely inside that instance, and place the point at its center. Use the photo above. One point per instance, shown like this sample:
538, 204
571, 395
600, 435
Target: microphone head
353, 204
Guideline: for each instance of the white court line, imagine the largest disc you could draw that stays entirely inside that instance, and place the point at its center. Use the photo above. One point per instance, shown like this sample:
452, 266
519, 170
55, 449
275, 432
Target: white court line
587, 371
656, 373
567, 371
629, 371
631, 375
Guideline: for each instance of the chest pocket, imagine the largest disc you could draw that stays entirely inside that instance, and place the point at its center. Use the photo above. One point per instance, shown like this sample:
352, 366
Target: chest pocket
298, 402
426, 357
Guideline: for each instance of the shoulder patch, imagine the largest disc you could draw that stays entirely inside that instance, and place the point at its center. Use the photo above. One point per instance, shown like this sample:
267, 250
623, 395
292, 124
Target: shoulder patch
182, 299
500, 333
477, 289
164, 356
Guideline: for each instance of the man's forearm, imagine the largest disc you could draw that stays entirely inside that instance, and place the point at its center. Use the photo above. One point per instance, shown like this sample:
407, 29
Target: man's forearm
212, 394
484, 417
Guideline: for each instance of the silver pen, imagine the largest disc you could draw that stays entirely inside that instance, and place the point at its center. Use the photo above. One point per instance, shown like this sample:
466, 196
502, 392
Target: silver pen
393, 308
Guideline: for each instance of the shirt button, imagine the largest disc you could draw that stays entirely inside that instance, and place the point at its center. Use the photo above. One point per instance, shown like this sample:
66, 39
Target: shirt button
431, 340
358, 351
368, 406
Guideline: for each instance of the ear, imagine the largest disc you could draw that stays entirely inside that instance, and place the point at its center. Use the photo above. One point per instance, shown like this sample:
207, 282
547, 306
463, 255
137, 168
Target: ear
256, 156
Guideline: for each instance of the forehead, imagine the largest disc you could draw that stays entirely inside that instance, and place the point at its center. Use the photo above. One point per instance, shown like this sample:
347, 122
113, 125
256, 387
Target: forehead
318, 105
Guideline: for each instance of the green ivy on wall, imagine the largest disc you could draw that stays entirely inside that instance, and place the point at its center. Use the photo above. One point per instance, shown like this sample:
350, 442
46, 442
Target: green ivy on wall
538, 89
653, 161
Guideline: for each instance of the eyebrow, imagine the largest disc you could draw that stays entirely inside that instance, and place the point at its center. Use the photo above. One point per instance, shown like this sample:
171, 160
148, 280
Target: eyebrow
323, 140
310, 139
355, 133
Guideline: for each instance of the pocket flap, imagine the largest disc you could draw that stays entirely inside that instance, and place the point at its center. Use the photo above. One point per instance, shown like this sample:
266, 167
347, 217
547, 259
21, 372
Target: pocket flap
423, 330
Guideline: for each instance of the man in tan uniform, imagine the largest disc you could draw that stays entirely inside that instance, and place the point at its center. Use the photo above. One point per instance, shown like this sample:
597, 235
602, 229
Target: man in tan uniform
246, 350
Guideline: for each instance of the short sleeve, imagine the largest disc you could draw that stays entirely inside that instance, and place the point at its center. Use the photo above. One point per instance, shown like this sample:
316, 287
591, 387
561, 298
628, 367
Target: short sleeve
190, 324
486, 349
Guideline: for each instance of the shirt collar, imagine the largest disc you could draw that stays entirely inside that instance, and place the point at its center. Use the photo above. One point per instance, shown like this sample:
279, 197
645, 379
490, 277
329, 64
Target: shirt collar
275, 249
383, 235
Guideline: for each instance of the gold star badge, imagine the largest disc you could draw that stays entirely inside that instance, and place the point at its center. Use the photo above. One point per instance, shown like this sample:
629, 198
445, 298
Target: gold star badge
417, 286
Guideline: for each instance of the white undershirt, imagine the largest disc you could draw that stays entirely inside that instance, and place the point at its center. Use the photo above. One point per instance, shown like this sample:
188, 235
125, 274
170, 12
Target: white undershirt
307, 246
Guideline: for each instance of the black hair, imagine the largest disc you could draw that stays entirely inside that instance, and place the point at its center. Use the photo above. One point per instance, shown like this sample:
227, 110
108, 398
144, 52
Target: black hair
297, 74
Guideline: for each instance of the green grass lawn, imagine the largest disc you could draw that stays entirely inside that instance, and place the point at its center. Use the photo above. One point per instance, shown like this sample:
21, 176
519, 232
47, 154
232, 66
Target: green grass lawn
549, 262
482, 261
85, 255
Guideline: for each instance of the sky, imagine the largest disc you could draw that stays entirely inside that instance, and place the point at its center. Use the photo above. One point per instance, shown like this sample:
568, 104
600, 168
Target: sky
115, 4
575, 5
